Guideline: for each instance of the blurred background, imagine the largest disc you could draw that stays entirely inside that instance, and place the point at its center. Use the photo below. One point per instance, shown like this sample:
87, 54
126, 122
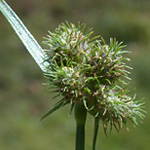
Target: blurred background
23, 99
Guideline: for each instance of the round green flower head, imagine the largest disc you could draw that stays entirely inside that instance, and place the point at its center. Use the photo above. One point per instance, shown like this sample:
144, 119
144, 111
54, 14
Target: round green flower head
88, 71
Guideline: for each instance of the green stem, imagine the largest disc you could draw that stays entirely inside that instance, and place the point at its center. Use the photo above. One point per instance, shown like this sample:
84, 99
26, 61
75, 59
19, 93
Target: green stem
80, 137
80, 116
96, 127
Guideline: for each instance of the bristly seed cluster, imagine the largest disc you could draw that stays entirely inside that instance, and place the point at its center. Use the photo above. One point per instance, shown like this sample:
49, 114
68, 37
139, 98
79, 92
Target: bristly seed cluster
87, 70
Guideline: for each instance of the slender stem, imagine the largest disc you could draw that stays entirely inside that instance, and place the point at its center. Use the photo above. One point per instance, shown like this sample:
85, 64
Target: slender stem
80, 116
96, 127
80, 137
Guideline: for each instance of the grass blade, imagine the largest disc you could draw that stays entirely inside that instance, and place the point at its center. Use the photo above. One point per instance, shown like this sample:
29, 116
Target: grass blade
25, 36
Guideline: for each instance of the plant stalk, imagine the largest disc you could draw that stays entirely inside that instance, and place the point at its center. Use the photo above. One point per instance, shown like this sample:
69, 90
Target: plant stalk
80, 116
96, 127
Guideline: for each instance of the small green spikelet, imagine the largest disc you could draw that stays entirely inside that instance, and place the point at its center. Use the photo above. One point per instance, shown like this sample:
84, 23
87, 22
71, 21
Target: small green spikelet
87, 70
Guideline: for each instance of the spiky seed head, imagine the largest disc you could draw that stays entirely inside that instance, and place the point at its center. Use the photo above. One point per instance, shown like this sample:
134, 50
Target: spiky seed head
93, 73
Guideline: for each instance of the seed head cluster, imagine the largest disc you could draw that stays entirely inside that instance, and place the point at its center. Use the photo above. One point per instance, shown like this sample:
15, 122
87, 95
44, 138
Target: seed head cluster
87, 70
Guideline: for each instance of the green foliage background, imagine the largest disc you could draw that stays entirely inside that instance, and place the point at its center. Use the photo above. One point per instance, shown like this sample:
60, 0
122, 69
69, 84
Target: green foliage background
23, 99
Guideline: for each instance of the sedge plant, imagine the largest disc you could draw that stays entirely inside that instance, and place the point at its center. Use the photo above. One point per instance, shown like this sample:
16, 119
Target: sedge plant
88, 74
